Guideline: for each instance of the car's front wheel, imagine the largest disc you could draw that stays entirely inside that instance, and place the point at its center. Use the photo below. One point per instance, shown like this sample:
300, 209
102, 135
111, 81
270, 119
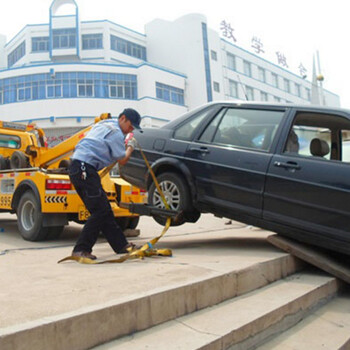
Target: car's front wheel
176, 193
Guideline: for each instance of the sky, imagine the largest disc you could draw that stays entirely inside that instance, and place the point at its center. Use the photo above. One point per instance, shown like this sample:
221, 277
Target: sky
297, 29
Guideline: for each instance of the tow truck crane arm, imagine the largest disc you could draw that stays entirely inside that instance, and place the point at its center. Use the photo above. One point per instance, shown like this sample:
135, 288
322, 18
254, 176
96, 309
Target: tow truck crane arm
43, 157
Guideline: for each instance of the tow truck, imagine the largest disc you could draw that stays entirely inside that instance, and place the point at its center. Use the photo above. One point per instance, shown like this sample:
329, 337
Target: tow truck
34, 183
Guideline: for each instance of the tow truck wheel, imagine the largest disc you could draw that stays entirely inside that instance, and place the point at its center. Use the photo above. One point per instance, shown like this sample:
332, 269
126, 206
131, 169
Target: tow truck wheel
54, 232
30, 218
18, 160
4, 163
127, 222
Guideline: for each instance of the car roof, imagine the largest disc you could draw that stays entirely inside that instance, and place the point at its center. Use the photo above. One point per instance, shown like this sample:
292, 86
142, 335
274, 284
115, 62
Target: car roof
276, 104
237, 103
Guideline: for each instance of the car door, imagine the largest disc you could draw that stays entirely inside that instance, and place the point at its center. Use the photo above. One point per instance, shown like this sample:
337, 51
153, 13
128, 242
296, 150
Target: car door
229, 159
308, 186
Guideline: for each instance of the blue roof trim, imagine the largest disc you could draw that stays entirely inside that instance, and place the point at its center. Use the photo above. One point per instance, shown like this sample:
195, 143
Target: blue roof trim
160, 100
95, 64
92, 58
162, 68
49, 118
61, 16
118, 25
28, 25
78, 116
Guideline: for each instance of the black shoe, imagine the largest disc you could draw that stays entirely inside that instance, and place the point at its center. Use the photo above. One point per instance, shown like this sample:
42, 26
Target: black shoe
129, 248
84, 255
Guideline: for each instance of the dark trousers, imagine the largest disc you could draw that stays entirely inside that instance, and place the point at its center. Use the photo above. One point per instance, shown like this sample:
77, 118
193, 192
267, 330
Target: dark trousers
95, 199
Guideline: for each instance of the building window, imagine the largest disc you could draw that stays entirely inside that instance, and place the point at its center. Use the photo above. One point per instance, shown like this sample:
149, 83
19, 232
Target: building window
128, 48
54, 90
250, 93
247, 67
308, 94
16, 54
274, 78
67, 85
286, 85
214, 55
263, 96
233, 88
276, 99
124, 86
40, 44
85, 90
231, 61
216, 86
118, 91
64, 38
297, 90
1, 98
170, 94
24, 93
92, 41
262, 75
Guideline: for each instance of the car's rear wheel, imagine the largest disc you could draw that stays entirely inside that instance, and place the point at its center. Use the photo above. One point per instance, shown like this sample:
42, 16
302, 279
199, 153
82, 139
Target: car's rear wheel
176, 193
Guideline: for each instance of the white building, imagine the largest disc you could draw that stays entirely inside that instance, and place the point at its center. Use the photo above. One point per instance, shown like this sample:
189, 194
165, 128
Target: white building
62, 74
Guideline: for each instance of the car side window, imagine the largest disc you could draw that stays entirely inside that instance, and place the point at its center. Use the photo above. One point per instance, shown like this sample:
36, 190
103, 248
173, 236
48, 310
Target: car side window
248, 128
345, 143
186, 130
309, 141
319, 136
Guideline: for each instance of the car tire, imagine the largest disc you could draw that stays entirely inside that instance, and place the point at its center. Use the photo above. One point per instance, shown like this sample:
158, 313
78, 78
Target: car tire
30, 218
177, 193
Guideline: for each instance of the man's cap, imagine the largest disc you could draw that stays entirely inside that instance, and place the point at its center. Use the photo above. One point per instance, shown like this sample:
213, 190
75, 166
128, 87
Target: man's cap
133, 116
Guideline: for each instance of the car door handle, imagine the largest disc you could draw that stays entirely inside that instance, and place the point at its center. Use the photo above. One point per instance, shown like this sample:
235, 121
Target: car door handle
288, 165
199, 149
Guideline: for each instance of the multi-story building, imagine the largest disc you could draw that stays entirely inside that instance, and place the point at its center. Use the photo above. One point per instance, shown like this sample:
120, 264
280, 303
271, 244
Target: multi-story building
62, 74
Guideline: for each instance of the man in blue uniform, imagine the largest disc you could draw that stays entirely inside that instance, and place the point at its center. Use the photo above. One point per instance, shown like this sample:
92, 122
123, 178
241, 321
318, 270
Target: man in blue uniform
103, 145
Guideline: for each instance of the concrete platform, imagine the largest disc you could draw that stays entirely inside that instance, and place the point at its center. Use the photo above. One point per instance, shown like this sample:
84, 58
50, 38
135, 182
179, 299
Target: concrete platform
239, 323
45, 303
328, 328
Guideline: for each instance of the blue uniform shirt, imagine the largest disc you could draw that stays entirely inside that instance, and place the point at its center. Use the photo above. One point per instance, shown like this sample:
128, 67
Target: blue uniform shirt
103, 145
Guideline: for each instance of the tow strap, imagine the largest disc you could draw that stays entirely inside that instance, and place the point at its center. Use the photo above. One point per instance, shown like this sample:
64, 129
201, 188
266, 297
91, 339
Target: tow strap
148, 249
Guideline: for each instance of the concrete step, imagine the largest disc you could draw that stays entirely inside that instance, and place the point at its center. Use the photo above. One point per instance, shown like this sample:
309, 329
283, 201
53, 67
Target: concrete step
96, 324
327, 328
239, 323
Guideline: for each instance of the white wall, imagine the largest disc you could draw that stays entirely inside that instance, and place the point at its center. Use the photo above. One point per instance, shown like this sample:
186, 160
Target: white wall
179, 46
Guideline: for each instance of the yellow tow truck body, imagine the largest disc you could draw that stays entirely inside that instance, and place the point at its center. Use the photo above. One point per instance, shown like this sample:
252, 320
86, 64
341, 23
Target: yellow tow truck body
34, 183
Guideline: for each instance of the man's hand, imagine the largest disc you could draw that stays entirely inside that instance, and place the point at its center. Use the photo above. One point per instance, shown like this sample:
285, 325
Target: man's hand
132, 143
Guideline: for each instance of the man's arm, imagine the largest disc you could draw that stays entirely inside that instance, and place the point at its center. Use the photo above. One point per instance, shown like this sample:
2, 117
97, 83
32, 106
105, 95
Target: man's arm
128, 152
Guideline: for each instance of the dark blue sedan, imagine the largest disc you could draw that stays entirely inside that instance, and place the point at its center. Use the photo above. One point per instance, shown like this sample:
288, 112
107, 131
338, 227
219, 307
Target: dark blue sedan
284, 168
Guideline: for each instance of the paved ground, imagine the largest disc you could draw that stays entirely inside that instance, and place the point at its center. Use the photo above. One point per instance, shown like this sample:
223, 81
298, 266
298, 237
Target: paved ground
34, 286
